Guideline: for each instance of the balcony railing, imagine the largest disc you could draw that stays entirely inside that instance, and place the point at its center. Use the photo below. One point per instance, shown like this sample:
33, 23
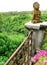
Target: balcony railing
22, 56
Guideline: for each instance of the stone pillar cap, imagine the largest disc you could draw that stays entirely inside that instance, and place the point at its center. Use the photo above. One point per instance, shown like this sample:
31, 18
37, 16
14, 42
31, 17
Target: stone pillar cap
30, 25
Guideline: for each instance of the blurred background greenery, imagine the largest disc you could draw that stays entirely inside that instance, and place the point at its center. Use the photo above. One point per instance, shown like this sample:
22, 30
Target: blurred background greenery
13, 32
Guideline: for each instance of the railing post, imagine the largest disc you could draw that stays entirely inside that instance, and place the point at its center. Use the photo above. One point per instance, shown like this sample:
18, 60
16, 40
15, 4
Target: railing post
30, 47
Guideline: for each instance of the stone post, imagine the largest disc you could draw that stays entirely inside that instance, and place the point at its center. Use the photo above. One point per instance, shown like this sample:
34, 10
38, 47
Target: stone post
37, 36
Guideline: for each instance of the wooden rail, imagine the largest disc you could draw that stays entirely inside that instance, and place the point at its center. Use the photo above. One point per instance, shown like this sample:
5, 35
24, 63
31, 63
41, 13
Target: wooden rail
22, 56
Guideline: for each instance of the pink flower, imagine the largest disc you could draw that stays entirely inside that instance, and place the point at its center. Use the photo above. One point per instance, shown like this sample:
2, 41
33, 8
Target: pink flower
41, 53
36, 57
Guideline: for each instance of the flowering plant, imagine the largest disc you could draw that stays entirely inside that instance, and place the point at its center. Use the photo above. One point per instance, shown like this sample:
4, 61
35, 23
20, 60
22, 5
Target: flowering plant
42, 56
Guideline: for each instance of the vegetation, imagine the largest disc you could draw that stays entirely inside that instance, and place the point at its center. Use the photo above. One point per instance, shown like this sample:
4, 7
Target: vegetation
13, 32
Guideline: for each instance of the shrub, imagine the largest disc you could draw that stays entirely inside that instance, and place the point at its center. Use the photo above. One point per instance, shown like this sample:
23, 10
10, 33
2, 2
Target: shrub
4, 43
3, 59
45, 46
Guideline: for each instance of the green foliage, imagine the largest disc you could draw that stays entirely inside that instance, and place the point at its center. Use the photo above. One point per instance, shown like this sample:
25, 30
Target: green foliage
45, 37
45, 46
3, 59
4, 42
1, 22
44, 16
8, 44
15, 23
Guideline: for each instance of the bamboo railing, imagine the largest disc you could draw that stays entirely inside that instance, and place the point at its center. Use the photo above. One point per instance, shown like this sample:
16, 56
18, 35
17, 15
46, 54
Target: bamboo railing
22, 56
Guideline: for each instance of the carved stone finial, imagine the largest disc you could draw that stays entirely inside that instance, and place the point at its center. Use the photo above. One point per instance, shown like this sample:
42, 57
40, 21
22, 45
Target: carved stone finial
36, 13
